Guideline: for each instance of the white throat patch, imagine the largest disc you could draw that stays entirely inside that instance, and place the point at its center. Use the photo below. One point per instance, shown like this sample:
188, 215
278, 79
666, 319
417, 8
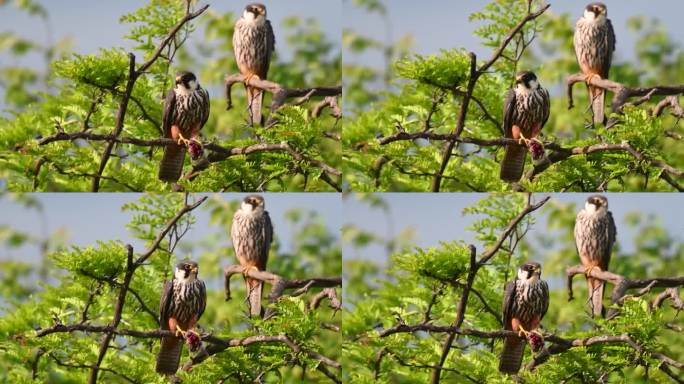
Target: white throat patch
590, 208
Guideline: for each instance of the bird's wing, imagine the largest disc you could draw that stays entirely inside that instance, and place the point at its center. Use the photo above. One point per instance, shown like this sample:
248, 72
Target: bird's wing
546, 106
610, 48
165, 305
203, 299
544, 298
268, 235
169, 113
206, 105
612, 234
270, 47
509, 297
508, 115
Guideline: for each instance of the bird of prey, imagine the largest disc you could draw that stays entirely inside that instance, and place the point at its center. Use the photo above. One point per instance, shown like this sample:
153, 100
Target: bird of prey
594, 43
253, 43
526, 300
594, 236
252, 234
186, 110
526, 110
182, 304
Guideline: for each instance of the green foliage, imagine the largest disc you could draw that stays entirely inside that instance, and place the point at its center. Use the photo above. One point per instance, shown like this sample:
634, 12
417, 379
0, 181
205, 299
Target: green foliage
91, 274
83, 93
426, 94
433, 277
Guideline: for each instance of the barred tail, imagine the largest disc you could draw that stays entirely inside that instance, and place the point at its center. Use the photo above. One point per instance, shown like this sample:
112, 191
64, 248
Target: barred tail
512, 355
255, 97
513, 163
171, 166
169, 355
597, 105
254, 288
596, 288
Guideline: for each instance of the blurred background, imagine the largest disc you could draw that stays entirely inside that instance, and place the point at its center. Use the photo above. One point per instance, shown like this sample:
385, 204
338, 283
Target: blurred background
34, 32
376, 226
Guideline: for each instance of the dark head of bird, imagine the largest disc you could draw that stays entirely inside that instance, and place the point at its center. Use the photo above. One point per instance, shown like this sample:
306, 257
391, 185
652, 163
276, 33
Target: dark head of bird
253, 202
527, 79
595, 9
186, 270
529, 271
596, 202
254, 11
187, 79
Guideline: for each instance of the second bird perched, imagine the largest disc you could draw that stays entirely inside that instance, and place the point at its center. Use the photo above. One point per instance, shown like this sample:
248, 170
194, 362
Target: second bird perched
595, 236
594, 43
253, 43
252, 234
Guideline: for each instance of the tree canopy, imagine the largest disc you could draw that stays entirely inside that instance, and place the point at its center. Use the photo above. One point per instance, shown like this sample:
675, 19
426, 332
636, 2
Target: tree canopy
57, 331
97, 126
436, 124
436, 311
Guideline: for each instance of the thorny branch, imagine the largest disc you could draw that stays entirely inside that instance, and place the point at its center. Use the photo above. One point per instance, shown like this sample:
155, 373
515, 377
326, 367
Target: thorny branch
473, 268
621, 92
281, 94
124, 288
133, 75
622, 284
217, 152
475, 74
556, 152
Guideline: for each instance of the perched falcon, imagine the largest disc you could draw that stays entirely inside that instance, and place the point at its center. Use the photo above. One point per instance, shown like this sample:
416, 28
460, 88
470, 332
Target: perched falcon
594, 45
186, 110
252, 234
526, 110
525, 303
594, 236
182, 304
253, 43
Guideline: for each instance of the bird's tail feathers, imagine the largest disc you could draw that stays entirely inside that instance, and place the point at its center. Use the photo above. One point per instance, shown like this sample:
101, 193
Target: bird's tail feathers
513, 163
597, 105
596, 288
255, 98
169, 355
511, 355
171, 166
254, 288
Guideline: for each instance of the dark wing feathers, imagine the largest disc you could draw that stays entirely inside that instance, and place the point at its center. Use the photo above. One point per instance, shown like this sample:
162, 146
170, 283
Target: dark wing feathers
169, 113
165, 305
509, 297
508, 115
203, 299
206, 105
610, 44
268, 235
270, 46
545, 298
546, 100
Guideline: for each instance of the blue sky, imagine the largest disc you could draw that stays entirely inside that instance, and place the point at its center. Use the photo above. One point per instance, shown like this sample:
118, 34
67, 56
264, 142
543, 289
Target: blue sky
438, 217
85, 218
437, 24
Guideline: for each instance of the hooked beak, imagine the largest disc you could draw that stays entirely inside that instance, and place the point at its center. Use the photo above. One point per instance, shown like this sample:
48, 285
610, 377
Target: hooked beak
195, 269
178, 79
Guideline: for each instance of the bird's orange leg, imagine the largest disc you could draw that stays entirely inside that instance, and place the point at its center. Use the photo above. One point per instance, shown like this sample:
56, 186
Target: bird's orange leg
182, 140
588, 270
524, 140
522, 331
590, 77
180, 331
250, 77
247, 269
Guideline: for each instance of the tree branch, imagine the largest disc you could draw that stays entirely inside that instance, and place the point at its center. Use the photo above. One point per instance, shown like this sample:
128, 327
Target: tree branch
621, 92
